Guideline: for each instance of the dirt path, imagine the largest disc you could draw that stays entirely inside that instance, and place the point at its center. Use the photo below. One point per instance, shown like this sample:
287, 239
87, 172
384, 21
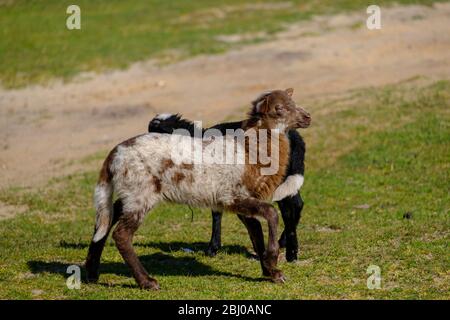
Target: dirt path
43, 128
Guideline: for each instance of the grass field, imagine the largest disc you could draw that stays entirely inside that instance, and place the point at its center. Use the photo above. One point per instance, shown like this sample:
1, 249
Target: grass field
373, 156
35, 45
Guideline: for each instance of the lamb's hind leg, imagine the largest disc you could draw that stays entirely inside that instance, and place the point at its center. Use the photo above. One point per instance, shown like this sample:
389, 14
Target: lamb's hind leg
254, 207
96, 248
215, 242
123, 236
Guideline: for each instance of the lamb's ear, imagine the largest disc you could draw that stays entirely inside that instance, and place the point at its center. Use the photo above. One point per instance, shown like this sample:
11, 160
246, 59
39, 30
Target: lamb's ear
290, 91
261, 105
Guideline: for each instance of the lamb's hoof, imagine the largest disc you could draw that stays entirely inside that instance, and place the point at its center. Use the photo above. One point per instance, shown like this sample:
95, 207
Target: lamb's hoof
211, 251
92, 277
253, 256
150, 284
291, 256
266, 273
278, 277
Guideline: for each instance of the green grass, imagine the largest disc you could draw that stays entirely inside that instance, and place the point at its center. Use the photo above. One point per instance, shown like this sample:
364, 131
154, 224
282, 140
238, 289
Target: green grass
35, 45
388, 148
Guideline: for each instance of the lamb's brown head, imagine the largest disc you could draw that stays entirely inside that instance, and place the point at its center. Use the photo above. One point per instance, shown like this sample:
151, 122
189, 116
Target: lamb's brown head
277, 110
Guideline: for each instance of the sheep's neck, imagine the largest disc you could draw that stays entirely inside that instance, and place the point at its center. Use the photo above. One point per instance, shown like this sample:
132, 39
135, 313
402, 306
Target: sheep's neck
262, 186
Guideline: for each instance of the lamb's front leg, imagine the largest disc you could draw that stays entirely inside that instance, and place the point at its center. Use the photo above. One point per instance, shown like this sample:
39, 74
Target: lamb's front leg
253, 207
270, 257
255, 232
291, 208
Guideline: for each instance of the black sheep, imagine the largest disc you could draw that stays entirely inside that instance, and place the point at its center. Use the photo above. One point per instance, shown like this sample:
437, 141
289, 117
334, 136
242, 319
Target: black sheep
290, 206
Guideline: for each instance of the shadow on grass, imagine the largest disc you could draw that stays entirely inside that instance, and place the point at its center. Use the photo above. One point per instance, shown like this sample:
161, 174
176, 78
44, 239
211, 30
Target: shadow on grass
173, 246
156, 264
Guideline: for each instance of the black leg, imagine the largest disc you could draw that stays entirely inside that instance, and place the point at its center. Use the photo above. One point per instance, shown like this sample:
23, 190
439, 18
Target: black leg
282, 241
96, 248
215, 242
291, 209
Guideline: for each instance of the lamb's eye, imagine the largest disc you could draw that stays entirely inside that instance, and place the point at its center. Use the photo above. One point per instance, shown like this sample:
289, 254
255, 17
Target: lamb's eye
279, 108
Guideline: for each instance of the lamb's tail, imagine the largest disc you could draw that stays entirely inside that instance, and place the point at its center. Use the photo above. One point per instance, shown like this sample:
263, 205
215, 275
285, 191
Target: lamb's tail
103, 201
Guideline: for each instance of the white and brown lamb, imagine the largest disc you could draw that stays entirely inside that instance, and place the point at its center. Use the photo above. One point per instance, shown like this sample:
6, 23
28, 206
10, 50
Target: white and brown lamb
143, 172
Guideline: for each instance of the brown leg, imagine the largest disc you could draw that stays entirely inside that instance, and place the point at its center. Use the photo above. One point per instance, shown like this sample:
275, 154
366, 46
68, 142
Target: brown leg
96, 248
123, 236
255, 232
269, 258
